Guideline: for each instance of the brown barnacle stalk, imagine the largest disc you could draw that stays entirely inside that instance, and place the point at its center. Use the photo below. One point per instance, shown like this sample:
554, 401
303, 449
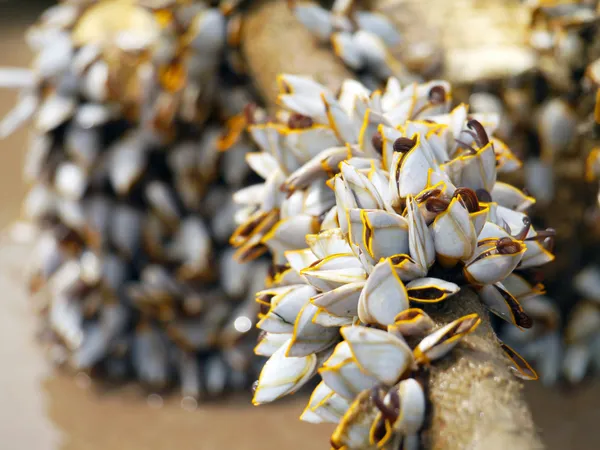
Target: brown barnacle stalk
507, 246
436, 205
476, 402
299, 122
480, 135
403, 144
377, 141
469, 198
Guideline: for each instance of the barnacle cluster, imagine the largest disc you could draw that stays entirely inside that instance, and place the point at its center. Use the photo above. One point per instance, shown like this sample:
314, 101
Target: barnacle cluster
373, 204
128, 100
559, 117
362, 39
536, 65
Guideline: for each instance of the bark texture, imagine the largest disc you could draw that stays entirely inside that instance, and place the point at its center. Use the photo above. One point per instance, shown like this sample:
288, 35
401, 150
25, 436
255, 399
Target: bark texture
477, 404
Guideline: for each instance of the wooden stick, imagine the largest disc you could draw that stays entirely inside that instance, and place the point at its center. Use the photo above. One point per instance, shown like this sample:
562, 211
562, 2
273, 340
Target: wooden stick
477, 403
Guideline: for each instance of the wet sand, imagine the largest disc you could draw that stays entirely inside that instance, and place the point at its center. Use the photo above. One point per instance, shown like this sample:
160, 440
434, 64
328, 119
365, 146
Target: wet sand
43, 410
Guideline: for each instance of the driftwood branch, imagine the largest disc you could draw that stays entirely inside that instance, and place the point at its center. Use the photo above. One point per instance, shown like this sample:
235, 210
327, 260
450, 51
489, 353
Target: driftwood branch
477, 402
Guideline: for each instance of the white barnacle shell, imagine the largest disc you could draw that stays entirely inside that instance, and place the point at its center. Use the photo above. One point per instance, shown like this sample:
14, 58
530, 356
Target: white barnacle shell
412, 322
330, 220
489, 266
420, 241
576, 362
162, 200
430, 290
318, 20
316, 169
54, 56
306, 143
286, 304
309, 337
364, 192
289, 234
303, 95
269, 343
520, 288
206, 34
378, 353
127, 163
474, 171
300, 259
26, 107
412, 406
410, 172
66, 319
536, 254
39, 201
90, 115
441, 341
344, 202
453, 234
375, 54
587, 282
354, 429
510, 197
583, 323
328, 242
70, 181
333, 271
192, 246
539, 179
95, 82
16, 77
378, 24
325, 406
354, 95
326, 319
340, 122
149, 354
379, 234
247, 238
341, 373
500, 301
341, 302
348, 50
54, 111
383, 296
557, 127
406, 267
282, 375
505, 158
519, 366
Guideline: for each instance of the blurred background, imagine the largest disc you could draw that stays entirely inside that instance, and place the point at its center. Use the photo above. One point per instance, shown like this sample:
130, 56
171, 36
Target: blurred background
41, 409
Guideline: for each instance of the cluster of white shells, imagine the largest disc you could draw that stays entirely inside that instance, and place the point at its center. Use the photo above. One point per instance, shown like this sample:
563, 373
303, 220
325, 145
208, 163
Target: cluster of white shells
128, 99
565, 37
372, 204
564, 341
362, 39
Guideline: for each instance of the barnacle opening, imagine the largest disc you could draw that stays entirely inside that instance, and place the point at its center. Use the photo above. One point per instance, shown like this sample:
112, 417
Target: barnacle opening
508, 246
